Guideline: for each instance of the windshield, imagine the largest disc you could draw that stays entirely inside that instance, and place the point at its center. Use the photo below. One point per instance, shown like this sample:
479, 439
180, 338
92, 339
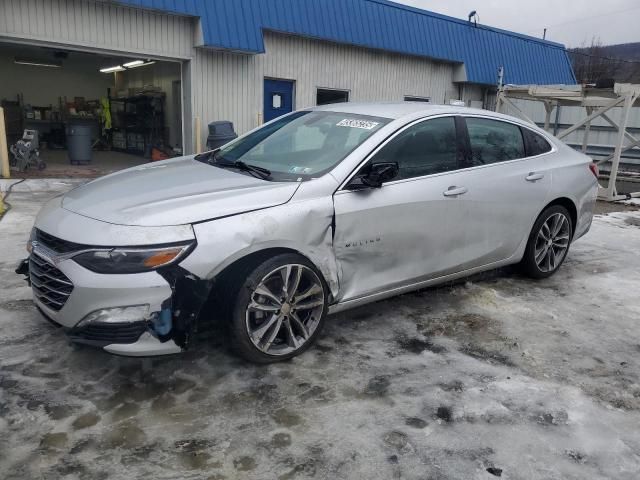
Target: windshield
302, 145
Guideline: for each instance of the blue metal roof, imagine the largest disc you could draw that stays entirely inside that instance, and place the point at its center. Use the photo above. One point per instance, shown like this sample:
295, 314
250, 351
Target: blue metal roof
380, 24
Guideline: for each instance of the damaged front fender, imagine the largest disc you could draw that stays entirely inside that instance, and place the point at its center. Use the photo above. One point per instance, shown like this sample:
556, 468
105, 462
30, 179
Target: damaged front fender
305, 227
177, 320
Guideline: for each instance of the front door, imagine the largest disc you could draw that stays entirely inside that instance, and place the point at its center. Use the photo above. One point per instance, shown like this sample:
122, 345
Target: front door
278, 98
413, 227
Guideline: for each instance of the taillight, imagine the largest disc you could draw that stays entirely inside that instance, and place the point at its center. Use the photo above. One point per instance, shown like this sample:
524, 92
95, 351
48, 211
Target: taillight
594, 169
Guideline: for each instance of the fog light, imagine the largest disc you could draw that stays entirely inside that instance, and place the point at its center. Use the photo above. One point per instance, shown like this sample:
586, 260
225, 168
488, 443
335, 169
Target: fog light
134, 313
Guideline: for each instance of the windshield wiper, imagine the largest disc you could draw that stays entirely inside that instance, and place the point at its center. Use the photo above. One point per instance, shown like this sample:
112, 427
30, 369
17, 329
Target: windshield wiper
260, 172
213, 158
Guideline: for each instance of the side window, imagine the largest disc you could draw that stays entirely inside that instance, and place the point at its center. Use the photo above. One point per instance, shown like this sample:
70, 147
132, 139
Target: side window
534, 144
423, 149
494, 141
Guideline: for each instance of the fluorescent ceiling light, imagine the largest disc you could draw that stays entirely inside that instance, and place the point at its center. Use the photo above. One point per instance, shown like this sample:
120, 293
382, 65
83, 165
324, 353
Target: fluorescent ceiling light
38, 63
141, 64
117, 68
134, 63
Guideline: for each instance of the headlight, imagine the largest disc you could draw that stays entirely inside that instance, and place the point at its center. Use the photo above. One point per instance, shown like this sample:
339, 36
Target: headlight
32, 237
132, 260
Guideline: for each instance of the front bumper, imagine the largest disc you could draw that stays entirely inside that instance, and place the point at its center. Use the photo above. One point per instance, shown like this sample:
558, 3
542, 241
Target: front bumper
167, 301
91, 292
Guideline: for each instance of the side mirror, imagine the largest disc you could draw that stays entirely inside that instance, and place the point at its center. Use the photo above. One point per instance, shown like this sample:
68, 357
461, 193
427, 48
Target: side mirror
377, 174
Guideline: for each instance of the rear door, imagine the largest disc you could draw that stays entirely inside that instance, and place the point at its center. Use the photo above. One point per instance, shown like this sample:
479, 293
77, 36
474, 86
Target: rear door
508, 177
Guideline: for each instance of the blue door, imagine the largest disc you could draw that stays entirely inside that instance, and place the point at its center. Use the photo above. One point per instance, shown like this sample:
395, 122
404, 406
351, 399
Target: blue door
278, 98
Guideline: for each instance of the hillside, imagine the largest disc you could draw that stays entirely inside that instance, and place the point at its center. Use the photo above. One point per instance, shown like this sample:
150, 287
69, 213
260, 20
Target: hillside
597, 62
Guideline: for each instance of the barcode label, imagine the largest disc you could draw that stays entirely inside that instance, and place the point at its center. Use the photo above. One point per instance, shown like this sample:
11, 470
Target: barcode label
352, 123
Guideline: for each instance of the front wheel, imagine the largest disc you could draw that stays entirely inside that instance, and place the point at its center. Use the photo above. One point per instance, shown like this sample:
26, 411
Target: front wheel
279, 309
548, 243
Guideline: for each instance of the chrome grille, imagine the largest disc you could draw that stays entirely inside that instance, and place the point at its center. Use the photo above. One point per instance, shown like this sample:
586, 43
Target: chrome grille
50, 285
57, 244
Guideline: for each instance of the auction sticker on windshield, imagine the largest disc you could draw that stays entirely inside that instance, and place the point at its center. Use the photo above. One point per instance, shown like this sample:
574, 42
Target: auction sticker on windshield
353, 123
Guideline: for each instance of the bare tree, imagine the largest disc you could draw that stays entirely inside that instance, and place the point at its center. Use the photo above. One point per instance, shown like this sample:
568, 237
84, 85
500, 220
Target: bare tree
591, 64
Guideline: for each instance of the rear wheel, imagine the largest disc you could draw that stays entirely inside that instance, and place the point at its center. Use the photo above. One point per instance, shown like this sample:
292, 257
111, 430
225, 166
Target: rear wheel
548, 243
279, 309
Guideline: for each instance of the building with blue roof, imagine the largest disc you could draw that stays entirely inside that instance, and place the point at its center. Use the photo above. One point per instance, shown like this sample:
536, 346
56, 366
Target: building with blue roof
249, 61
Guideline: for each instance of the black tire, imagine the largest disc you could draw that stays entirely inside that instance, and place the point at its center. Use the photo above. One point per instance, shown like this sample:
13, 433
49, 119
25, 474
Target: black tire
529, 265
240, 319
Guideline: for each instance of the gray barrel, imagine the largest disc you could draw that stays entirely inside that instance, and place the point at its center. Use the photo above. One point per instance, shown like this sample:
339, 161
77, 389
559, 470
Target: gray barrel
79, 143
220, 133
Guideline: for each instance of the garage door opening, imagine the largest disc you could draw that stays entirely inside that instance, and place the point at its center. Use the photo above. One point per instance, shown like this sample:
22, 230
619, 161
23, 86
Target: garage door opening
326, 96
90, 114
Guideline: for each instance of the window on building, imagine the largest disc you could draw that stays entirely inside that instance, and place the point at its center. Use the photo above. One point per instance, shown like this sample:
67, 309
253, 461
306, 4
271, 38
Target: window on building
494, 141
423, 149
410, 98
326, 96
535, 144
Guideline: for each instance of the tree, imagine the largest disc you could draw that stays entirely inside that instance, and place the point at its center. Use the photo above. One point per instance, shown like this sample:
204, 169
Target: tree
595, 63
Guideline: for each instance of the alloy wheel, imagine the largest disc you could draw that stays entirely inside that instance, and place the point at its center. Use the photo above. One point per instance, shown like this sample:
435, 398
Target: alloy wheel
285, 309
552, 242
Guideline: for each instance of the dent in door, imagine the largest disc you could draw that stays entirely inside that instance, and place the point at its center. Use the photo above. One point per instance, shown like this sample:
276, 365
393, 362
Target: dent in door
398, 234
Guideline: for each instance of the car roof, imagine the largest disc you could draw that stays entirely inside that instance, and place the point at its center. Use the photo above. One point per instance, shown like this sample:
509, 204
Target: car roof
398, 110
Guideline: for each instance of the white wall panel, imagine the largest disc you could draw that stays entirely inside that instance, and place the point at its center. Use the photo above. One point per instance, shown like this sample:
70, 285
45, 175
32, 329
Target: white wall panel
225, 86
369, 75
97, 25
229, 86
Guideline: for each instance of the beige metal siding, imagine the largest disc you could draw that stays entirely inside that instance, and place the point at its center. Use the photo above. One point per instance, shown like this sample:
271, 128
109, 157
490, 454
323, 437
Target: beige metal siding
369, 75
226, 86
97, 25
229, 86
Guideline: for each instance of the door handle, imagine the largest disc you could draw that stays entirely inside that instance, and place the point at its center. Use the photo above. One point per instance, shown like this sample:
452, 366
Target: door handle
533, 176
454, 191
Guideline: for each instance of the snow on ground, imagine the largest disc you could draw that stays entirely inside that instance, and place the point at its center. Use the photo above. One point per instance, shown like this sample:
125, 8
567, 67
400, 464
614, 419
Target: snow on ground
496, 376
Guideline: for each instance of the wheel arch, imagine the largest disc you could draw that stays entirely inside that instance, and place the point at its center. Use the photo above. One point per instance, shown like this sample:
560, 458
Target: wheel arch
569, 205
240, 267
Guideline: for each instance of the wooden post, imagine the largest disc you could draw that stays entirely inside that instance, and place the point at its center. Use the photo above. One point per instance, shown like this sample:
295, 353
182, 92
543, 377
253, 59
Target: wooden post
629, 100
198, 136
587, 130
548, 107
4, 152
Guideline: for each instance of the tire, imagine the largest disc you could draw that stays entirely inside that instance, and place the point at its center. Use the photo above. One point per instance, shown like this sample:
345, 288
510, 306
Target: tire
546, 250
267, 325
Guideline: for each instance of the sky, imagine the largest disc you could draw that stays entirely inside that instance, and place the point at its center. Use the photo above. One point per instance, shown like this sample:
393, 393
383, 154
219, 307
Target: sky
571, 22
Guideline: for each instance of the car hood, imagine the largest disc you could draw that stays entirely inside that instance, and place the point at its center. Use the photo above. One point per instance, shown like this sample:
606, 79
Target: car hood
174, 192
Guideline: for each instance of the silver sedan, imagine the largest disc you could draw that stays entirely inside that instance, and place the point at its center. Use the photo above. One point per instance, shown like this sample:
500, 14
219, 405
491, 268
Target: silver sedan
315, 212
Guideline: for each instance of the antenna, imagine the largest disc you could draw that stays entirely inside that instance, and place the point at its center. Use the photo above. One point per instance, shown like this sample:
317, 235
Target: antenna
473, 16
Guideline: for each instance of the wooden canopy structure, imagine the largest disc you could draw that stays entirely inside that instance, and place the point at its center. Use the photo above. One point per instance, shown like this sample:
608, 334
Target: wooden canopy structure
597, 103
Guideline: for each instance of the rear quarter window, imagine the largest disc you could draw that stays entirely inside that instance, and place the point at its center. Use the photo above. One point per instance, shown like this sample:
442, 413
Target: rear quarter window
534, 143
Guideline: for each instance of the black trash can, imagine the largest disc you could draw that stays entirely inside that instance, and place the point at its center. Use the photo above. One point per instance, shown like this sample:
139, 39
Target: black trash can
220, 132
79, 143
